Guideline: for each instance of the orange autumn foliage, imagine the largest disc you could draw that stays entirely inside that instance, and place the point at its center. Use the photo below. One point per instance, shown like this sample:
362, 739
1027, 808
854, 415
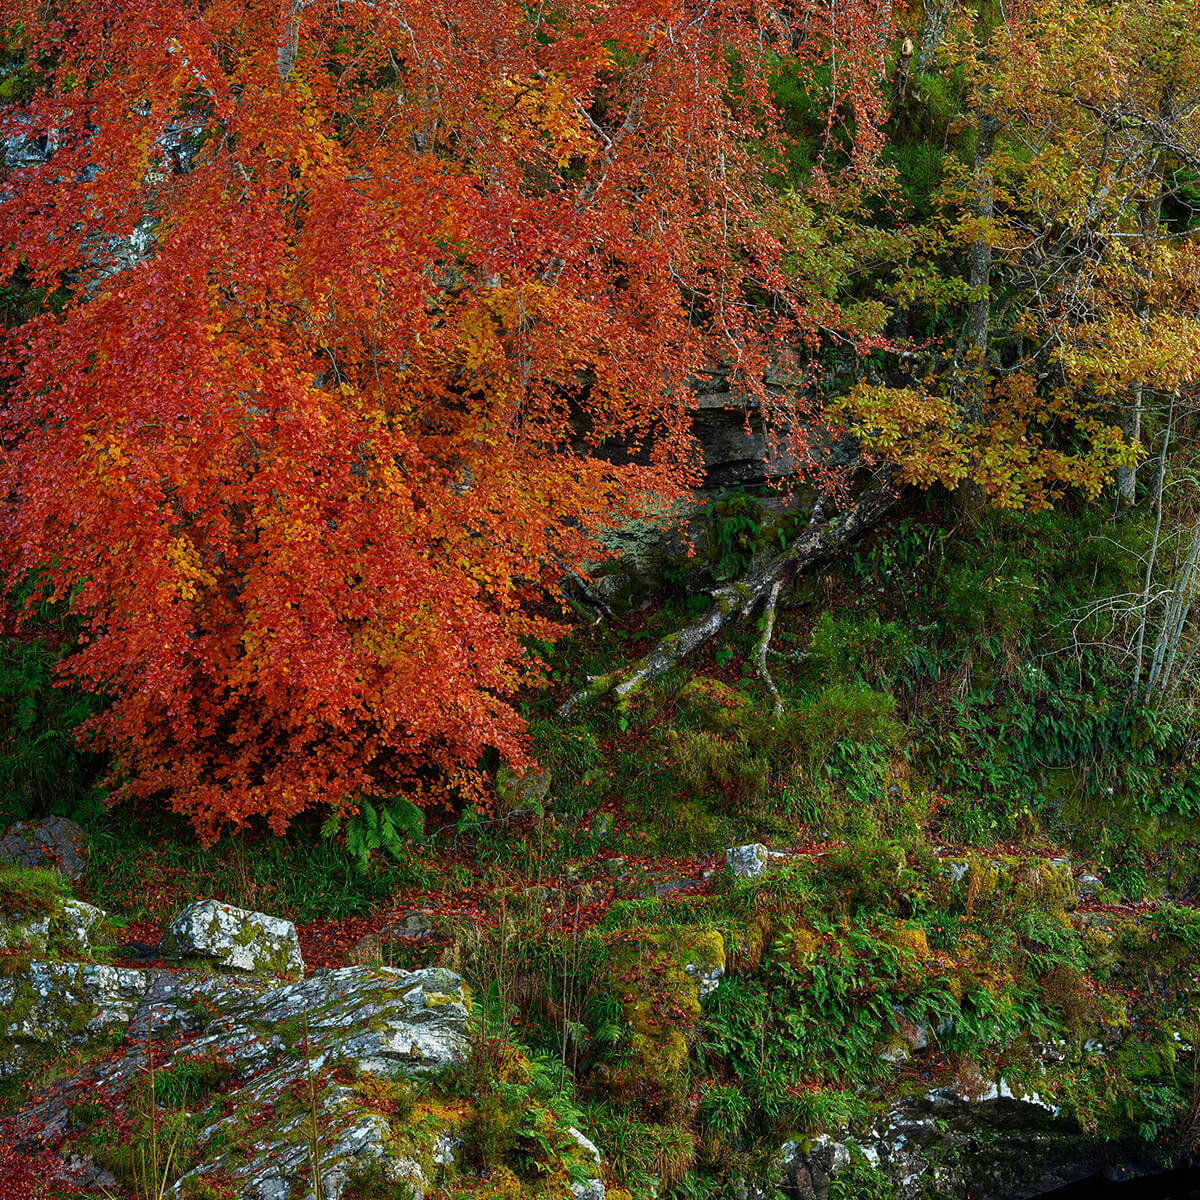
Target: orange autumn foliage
308, 463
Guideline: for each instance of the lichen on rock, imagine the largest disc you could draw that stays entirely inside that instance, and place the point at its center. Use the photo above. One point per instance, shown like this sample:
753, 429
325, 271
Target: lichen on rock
234, 939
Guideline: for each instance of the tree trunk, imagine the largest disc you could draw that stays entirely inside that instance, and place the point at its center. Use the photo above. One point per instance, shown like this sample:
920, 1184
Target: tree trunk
1149, 215
979, 258
289, 38
937, 13
761, 583
1131, 426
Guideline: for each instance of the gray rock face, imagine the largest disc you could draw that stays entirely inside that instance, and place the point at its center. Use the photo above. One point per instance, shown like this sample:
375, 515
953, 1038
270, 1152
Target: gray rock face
994, 1147
331, 1028
806, 1175
706, 975
55, 842
53, 1007
234, 939
31, 149
419, 925
79, 921
390, 1022
948, 1144
749, 861
376, 1022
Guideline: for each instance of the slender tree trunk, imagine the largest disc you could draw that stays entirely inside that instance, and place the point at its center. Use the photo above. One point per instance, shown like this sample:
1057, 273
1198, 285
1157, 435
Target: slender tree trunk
937, 13
979, 257
979, 279
1131, 426
1144, 616
901, 77
289, 38
1149, 215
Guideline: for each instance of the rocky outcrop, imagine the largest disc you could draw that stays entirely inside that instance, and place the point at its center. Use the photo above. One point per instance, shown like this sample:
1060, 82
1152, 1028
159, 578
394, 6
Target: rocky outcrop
334, 1029
55, 842
333, 1033
54, 1008
588, 1156
234, 939
66, 930
995, 1145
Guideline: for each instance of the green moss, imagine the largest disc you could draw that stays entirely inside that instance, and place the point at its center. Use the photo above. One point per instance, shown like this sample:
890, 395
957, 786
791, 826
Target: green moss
653, 975
22, 1005
80, 1016
716, 704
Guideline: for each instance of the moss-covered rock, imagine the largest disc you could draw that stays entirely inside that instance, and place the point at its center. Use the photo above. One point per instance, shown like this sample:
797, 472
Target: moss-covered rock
234, 939
715, 704
57, 844
660, 977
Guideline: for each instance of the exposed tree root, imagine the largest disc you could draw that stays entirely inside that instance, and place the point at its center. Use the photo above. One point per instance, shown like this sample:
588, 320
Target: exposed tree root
762, 583
764, 644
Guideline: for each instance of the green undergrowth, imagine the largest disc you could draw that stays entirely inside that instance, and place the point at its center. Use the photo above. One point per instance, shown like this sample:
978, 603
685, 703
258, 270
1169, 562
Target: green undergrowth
950, 665
695, 1035
951, 723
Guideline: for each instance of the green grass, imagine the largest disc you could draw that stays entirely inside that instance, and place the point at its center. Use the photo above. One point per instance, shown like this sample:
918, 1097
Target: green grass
300, 874
30, 892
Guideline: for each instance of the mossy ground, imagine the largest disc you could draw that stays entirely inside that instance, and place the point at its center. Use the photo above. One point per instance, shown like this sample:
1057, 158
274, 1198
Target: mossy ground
931, 763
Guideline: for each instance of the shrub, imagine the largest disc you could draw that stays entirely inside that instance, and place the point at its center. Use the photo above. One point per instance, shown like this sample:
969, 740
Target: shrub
724, 1111
43, 768
727, 765
842, 714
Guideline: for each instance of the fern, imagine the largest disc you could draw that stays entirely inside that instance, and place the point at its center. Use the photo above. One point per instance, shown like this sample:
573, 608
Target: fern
392, 828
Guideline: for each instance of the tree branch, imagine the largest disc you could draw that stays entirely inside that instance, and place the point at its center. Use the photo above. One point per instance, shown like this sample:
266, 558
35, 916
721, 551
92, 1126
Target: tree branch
762, 582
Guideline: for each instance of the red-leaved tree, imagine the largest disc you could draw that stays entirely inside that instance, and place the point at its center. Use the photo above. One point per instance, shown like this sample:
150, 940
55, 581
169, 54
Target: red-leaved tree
361, 295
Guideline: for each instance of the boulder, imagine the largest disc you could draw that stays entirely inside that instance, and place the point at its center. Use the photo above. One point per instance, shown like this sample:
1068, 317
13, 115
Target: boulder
521, 795
420, 925
55, 842
707, 973
1048, 882
234, 939
750, 861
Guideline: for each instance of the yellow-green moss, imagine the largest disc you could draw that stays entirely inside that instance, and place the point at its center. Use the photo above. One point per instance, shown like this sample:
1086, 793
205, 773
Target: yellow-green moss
716, 704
